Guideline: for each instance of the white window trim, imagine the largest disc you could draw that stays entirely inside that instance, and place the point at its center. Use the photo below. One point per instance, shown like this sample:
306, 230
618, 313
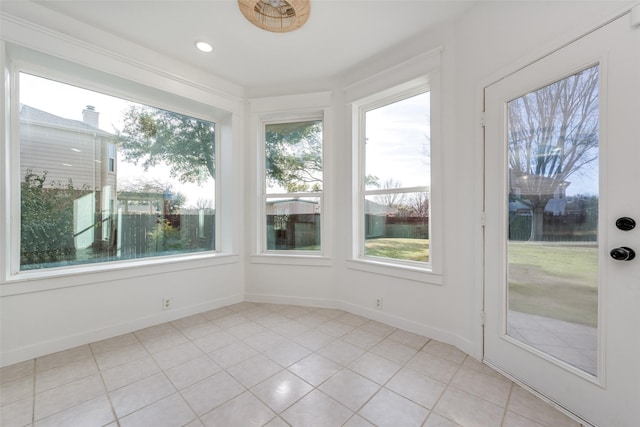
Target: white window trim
31, 62
286, 109
289, 118
373, 93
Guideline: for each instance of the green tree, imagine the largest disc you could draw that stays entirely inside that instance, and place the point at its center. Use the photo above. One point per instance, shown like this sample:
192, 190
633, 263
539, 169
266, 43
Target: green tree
46, 217
553, 135
293, 154
151, 136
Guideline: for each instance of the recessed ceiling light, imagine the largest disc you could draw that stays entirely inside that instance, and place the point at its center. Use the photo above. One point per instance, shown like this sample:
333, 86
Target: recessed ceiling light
204, 47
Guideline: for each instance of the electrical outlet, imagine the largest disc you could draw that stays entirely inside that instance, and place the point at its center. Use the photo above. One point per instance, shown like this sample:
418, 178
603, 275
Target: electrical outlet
166, 303
379, 303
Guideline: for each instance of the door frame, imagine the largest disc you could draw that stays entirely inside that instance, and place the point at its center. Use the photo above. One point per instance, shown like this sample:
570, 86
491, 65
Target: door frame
600, 379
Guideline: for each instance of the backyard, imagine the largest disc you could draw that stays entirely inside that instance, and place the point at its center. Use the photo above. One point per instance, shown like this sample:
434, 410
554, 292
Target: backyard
556, 281
398, 248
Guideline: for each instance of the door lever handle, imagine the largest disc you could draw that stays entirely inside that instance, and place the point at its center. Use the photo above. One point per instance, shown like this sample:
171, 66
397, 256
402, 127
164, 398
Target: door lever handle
622, 253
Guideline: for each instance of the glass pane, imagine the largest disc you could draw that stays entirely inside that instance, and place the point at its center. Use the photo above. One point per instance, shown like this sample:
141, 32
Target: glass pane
103, 179
293, 224
396, 225
397, 145
553, 219
293, 155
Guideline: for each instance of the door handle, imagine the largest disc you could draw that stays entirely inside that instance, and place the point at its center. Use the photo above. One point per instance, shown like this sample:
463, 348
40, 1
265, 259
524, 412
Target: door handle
623, 253
625, 223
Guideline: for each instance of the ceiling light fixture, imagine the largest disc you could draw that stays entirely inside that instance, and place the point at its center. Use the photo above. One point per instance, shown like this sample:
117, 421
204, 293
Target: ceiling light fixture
204, 47
278, 16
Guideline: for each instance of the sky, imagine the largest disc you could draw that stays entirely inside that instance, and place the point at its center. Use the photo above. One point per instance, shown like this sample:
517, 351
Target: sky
68, 102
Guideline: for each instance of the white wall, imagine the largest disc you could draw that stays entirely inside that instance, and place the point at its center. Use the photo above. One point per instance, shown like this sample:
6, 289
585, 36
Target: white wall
490, 40
40, 312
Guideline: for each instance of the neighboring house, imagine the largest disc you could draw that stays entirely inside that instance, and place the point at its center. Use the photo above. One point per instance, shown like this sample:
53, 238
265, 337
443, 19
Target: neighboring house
76, 153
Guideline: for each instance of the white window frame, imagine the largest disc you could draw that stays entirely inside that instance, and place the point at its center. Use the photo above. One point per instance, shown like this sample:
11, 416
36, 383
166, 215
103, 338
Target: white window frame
293, 118
289, 109
17, 59
383, 89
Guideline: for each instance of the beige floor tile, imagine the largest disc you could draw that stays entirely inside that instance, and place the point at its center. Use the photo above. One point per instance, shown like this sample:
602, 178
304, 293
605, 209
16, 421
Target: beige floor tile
264, 340
409, 338
66, 396
358, 421
394, 351
341, 352
232, 354
444, 351
417, 387
287, 353
302, 365
433, 366
18, 413
484, 386
281, 390
191, 372
62, 358
16, 390
317, 409
335, 328
389, 409
526, 404
137, 395
313, 340
95, 412
362, 339
215, 341
168, 412
244, 410
254, 370
468, 410
276, 422
127, 373
246, 329
120, 356
65, 374
352, 319
201, 330
189, 322
177, 355
512, 419
315, 369
374, 367
435, 420
113, 343
211, 392
350, 389
17, 371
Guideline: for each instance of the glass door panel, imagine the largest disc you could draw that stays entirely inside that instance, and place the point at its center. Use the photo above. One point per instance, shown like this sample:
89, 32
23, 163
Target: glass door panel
552, 237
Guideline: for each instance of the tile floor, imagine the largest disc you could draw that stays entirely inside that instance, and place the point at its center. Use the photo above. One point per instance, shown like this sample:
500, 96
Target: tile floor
264, 364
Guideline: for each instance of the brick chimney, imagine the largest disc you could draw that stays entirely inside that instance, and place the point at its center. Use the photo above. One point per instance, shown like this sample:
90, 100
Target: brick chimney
90, 116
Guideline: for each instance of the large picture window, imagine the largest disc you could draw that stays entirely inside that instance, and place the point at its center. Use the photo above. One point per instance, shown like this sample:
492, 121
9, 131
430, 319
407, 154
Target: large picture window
396, 179
293, 185
104, 179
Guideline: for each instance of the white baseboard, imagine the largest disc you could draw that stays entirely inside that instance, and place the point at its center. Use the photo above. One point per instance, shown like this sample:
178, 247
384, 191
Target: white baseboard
64, 343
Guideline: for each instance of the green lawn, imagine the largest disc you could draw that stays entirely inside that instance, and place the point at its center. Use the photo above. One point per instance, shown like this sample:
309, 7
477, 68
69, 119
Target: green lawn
554, 281
398, 248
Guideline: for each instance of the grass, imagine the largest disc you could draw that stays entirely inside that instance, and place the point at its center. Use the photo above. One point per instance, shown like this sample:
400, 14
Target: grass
550, 280
398, 248
556, 281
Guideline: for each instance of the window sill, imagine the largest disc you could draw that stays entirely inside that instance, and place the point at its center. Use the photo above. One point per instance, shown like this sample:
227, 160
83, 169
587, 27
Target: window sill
48, 279
282, 259
401, 271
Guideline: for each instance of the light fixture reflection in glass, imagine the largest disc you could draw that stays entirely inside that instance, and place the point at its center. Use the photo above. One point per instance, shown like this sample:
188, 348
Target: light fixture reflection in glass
204, 47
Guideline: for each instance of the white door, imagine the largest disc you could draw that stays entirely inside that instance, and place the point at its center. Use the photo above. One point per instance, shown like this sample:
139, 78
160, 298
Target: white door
562, 173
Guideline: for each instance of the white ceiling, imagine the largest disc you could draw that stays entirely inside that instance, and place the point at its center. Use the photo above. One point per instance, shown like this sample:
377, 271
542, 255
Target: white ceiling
339, 34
